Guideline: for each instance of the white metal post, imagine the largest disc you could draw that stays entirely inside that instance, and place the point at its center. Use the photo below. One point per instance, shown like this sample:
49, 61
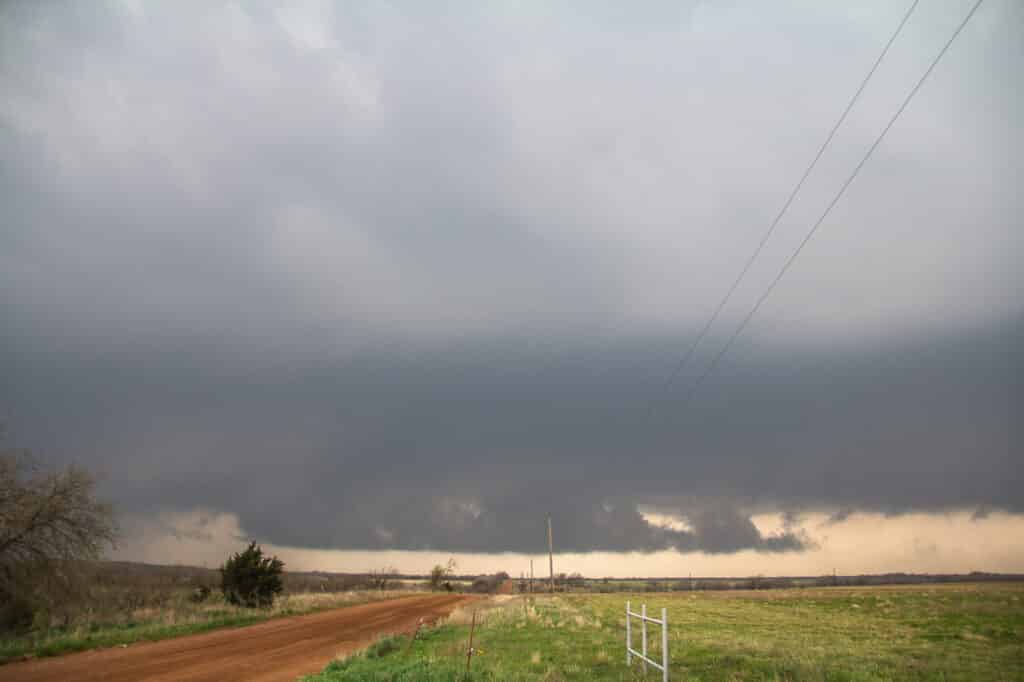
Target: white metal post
629, 642
643, 629
642, 654
664, 644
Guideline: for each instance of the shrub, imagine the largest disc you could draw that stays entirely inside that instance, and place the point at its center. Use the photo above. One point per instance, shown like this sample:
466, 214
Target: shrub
16, 614
200, 594
384, 646
249, 579
488, 583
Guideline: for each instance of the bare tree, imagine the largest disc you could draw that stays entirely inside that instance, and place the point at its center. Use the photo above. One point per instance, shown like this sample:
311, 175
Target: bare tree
50, 522
379, 577
439, 574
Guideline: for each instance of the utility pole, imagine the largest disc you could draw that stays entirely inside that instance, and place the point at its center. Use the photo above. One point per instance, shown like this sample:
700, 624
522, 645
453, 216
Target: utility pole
531, 576
551, 557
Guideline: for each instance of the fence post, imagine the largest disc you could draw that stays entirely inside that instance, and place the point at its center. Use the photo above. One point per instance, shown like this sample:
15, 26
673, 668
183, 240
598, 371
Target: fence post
629, 642
643, 631
413, 638
469, 652
664, 644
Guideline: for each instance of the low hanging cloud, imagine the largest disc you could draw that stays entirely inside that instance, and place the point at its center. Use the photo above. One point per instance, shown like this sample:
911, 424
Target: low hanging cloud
942, 543
471, 458
389, 278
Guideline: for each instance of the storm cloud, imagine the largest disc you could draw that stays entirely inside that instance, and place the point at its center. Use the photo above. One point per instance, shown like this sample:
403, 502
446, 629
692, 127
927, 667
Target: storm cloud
391, 277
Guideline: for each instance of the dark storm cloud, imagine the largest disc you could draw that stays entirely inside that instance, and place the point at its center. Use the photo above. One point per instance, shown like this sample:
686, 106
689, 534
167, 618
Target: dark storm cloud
445, 452
396, 278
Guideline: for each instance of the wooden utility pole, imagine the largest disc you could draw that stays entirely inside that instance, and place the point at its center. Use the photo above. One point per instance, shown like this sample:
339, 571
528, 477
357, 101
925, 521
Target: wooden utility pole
531, 576
551, 558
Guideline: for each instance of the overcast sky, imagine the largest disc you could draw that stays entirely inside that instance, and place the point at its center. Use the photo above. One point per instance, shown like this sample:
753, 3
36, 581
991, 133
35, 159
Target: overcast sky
411, 276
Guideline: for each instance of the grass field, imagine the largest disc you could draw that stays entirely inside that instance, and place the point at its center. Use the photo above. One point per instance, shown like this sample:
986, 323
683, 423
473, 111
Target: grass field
860, 634
175, 615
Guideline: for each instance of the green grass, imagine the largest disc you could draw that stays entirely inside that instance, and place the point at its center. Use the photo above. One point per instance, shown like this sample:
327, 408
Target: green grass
866, 634
175, 620
57, 641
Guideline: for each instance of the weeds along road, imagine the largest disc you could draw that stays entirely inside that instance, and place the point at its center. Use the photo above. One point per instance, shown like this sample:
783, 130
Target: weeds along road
279, 649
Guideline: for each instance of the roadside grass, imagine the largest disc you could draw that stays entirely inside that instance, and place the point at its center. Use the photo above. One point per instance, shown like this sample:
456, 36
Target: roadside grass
176, 617
846, 634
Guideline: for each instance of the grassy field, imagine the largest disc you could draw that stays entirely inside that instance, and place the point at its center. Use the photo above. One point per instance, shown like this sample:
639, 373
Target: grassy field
858, 634
172, 616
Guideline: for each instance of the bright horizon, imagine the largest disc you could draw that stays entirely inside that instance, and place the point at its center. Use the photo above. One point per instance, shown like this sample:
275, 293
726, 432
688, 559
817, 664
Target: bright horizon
953, 543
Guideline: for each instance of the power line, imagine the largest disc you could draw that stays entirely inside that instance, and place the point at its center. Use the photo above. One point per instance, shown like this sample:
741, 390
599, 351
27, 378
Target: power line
792, 195
831, 205
821, 150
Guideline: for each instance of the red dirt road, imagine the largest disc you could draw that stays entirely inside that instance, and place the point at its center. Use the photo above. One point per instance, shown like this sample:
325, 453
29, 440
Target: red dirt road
280, 649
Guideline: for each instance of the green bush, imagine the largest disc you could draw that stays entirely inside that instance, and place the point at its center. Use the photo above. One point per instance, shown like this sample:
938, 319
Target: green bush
249, 579
200, 594
384, 646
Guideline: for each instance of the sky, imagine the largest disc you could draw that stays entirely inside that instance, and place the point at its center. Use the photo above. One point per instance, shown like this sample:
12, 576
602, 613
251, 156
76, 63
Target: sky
386, 283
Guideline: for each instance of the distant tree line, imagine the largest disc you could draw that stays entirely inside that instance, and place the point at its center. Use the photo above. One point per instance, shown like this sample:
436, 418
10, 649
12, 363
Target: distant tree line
611, 585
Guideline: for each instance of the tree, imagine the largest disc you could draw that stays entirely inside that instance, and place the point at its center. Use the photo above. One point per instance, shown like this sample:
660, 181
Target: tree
50, 523
249, 579
439, 574
379, 577
489, 583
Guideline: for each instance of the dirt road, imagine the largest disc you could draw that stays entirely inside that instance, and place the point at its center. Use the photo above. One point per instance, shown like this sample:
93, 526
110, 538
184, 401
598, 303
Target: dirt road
276, 650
